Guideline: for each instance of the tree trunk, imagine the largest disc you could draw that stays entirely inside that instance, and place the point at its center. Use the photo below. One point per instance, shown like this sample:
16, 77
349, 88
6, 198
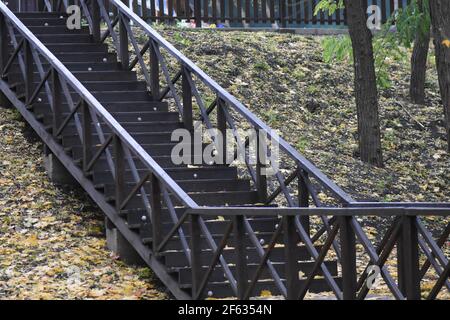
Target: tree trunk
440, 20
365, 84
419, 66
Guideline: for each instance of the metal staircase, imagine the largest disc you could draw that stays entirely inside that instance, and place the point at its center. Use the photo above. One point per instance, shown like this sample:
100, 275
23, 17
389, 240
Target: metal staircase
107, 111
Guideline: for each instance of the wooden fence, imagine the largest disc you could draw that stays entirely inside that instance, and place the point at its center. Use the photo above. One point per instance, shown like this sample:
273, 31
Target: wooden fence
233, 13
285, 13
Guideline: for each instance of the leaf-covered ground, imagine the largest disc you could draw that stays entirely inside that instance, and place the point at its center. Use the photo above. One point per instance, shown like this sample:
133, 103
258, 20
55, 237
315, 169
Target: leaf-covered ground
283, 79
52, 242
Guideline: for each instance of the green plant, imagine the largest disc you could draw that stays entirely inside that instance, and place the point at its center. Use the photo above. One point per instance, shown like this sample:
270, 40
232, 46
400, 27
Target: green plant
302, 144
329, 5
387, 44
261, 65
179, 38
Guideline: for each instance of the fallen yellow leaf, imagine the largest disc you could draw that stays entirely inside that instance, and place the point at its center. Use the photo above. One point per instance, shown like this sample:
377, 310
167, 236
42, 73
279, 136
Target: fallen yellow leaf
265, 293
32, 241
446, 43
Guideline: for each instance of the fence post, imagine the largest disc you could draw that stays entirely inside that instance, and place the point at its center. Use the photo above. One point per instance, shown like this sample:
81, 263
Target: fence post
303, 198
144, 11
408, 259
87, 136
291, 249
196, 253
95, 12
198, 13
3, 44
261, 161
241, 256
156, 213
4, 102
56, 101
123, 40
187, 100
222, 127
348, 258
54, 5
29, 76
154, 71
283, 13
119, 160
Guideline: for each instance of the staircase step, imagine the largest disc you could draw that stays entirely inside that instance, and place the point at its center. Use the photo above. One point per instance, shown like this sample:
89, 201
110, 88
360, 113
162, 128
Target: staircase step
263, 227
161, 149
164, 161
92, 57
57, 30
146, 114
184, 275
78, 47
174, 259
40, 15
79, 66
223, 198
259, 224
86, 76
223, 289
104, 86
184, 173
146, 110
111, 96
69, 38
141, 137
44, 21
194, 186
134, 218
132, 127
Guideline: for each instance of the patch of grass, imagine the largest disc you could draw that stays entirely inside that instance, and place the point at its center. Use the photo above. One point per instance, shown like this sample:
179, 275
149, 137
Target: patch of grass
302, 144
261, 65
178, 37
299, 74
313, 89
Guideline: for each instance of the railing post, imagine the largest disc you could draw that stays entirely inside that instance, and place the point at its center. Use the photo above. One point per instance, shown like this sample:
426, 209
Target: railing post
29, 76
241, 256
40, 5
95, 13
3, 44
198, 13
348, 258
156, 213
408, 259
261, 161
119, 160
154, 71
87, 136
56, 101
196, 253
54, 5
222, 127
3, 56
303, 198
123, 41
187, 100
283, 13
291, 249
